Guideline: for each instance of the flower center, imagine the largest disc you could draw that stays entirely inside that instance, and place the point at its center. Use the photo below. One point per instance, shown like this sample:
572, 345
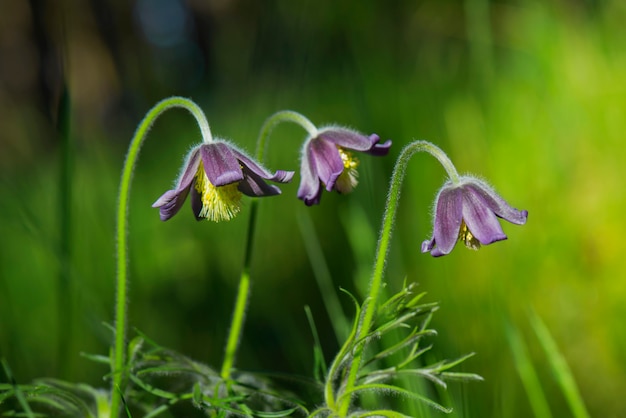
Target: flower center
468, 238
349, 177
218, 203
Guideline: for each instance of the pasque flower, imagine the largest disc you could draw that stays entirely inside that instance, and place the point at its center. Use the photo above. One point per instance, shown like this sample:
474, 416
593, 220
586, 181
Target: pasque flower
466, 211
217, 174
328, 161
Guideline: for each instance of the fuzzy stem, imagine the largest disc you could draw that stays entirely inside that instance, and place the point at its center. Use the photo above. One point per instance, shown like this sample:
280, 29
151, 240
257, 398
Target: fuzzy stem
122, 233
376, 280
236, 324
243, 292
275, 119
234, 334
441, 156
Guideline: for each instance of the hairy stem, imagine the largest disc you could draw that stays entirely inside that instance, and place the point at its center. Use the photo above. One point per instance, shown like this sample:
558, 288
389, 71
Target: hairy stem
119, 354
275, 119
234, 334
376, 280
243, 292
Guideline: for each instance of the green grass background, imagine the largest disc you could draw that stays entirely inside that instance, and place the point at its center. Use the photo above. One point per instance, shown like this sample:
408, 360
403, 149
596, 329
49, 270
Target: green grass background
530, 95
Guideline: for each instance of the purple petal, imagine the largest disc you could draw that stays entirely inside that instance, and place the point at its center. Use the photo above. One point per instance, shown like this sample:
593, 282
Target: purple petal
353, 140
310, 190
448, 218
324, 156
279, 176
498, 205
191, 168
479, 218
220, 164
356, 141
172, 200
428, 245
196, 203
254, 185
170, 203
378, 149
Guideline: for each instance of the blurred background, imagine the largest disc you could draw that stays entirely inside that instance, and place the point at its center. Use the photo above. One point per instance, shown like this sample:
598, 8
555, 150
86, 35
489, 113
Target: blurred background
528, 94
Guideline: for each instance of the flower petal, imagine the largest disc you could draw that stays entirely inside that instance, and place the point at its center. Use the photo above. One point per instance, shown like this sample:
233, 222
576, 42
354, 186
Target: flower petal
279, 176
325, 157
220, 163
354, 140
196, 203
310, 190
254, 185
448, 218
379, 149
428, 245
172, 200
170, 203
480, 219
498, 205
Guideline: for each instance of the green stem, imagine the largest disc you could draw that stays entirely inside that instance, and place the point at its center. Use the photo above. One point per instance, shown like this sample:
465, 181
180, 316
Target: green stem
236, 325
243, 292
122, 233
383, 248
275, 119
234, 334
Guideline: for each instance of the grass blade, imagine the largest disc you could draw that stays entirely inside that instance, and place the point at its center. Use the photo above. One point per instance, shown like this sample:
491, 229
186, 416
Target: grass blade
560, 368
527, 373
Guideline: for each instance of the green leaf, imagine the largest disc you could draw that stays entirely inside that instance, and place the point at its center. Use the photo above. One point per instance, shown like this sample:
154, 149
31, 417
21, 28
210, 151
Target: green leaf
397, 391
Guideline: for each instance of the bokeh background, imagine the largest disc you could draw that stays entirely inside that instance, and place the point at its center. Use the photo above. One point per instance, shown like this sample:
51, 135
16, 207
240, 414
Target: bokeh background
528, 94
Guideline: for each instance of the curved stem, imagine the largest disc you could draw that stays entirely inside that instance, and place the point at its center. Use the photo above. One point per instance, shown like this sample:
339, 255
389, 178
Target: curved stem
441, 156
275, 119
122, 233
234, 334
383, 248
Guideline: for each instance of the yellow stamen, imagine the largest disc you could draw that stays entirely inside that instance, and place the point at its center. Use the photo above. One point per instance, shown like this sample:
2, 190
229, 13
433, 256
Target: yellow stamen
468, 238
349, 177
218, 203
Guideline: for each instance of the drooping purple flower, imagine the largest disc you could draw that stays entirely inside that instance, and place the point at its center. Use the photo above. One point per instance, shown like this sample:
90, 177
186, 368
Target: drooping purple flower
217, 174
327, 161
467, 212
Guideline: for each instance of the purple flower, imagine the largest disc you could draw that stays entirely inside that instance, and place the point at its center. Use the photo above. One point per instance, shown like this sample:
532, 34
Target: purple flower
327, 161
217, 174
467, 212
